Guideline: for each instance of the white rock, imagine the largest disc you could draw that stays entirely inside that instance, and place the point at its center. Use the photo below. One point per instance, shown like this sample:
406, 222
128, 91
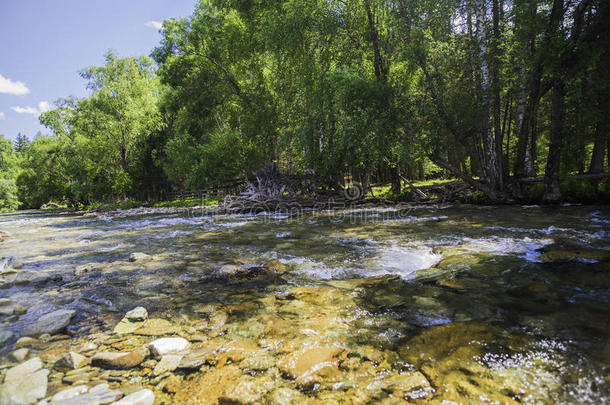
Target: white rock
19, 372
24, 384
163, 346
100, 394
137, 314
70, 393
142, 397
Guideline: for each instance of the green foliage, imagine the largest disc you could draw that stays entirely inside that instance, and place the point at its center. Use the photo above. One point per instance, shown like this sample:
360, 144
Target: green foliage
367, 89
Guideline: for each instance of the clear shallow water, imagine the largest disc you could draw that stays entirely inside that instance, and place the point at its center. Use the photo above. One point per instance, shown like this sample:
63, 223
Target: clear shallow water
489, 303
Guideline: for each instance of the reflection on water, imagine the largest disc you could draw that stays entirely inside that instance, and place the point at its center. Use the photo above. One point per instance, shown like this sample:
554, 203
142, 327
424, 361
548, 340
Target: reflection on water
464, 304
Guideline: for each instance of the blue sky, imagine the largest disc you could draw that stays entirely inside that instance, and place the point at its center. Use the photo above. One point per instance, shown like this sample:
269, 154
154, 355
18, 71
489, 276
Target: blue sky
45, 43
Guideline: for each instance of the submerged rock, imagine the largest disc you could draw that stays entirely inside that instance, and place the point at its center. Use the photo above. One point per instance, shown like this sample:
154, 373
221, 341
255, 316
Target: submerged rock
156, 327
132, 320
247, 330
5, 336
87, 268
236, 272
209, 387
554, 254
50, 323
411, 385
9, 265
125, 326
309, 365
195, 358
448, 354
248, 390
287, 396
258, 363
230, 270
138, 256
277, 266
24, 384
33, 277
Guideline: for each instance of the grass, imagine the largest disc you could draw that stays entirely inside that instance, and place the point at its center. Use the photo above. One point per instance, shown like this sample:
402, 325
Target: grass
385, 191
190, 202
433, 182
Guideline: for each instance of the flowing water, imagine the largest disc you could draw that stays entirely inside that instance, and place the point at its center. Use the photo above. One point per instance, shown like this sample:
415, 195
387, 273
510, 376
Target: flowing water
459, 304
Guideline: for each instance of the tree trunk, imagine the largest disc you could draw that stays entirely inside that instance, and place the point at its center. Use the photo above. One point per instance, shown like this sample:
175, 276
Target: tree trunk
599, 146
124, 164
396, 185
492, 167
381, 71
495, 84
552, 192
603, 110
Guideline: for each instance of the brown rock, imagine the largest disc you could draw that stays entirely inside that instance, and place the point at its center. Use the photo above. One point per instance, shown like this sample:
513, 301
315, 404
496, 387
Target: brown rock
120, 361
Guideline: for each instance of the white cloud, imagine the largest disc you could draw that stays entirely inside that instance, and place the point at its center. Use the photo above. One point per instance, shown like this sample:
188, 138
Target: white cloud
43, 106
154, 24
2, 116
8, 86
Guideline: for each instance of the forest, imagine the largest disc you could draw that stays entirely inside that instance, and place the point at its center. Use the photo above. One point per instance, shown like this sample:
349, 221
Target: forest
511, 97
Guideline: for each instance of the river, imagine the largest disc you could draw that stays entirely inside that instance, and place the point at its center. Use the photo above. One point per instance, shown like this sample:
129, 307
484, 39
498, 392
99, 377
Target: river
469, 304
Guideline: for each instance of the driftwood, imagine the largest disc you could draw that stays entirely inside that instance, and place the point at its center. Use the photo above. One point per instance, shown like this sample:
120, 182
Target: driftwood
415, 189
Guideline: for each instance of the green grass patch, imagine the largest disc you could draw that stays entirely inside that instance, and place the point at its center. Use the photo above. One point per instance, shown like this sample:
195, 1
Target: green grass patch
432, 182
190, 202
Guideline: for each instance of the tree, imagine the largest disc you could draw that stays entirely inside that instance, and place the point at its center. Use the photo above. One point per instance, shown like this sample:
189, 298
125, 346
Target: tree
122, 107
8, 174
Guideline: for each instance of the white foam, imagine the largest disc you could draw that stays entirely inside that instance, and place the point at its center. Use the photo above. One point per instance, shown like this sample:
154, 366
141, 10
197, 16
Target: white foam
403, 261
526, 247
